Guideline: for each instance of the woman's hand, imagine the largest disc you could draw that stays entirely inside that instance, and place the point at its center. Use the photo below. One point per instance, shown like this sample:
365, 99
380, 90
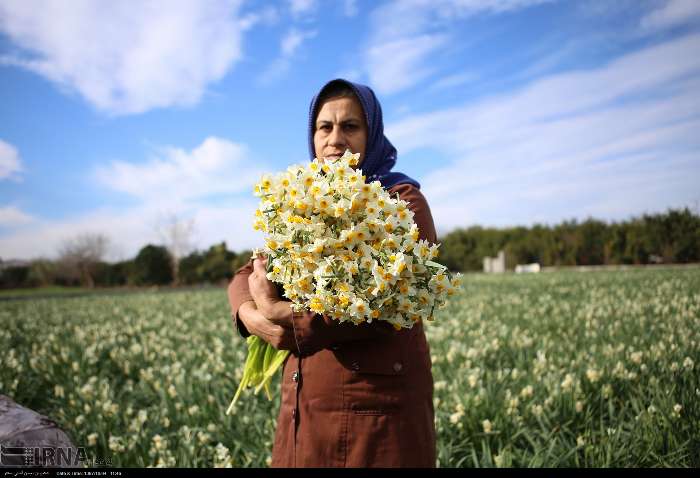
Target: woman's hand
280, 337
267, 300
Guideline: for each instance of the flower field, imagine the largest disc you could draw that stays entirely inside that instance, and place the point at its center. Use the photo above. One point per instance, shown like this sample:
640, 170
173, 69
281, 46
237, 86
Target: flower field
557, 369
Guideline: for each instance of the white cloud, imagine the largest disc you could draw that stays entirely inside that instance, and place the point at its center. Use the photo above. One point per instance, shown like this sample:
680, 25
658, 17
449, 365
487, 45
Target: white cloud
125, 57
399, 64
293, 40
672, 13
609, 142
10, 216
405, 33
302, 7
289, 45
10, 163
217, 166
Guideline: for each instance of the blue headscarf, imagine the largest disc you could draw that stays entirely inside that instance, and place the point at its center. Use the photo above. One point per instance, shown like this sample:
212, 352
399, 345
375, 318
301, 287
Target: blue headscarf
380, 154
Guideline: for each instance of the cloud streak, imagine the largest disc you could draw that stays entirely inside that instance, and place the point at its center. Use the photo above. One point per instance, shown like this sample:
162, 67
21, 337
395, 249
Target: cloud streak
405, 34
122, 59
289, 46
10, 162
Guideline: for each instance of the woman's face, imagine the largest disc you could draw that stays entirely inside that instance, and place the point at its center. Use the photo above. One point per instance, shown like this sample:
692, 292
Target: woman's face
340, 125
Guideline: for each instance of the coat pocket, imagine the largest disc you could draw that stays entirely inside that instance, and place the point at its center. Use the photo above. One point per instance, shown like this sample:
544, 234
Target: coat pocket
376, 383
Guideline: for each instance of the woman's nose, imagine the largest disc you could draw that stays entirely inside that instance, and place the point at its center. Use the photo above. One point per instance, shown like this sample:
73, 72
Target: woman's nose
336, 138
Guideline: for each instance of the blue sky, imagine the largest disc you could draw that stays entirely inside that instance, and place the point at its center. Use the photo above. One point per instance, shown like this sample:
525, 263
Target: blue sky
117, 116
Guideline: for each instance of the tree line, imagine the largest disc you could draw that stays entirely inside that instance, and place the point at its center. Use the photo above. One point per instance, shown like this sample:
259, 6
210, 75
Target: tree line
82, 265
670, 237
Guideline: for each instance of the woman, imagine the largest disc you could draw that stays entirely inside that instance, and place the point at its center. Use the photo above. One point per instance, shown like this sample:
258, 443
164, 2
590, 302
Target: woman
351, 395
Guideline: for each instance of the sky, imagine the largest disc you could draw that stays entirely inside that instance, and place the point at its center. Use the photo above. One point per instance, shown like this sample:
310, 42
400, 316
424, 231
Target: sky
119, 117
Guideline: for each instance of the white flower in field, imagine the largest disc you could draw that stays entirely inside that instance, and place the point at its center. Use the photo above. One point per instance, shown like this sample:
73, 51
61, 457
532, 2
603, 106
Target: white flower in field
171, 391
651, 409
92, 439
456, 417
580, 441
165, 421
193, 410
203, 437
157, 442
116, 444
688, 363
487, 426
593, 375
527, 392
677, 410
473, 379
440, 385
222, 458
636, 357
606, 391
537, 410
499, 460
142, 416
58, 391
568, 382
79, 420
611, 431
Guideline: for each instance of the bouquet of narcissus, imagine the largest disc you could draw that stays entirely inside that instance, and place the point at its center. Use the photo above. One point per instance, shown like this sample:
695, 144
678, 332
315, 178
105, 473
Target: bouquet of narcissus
345, 248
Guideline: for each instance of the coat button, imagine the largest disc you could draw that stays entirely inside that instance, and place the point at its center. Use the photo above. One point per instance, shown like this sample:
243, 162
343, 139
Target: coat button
397, 367
295, 376
355, 366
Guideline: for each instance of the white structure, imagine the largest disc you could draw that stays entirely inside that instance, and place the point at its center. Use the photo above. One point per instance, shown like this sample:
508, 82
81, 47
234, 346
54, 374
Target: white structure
525, 268
496, 264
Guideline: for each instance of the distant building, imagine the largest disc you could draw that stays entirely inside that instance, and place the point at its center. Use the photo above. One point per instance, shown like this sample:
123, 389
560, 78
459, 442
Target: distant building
526, 268
495, 265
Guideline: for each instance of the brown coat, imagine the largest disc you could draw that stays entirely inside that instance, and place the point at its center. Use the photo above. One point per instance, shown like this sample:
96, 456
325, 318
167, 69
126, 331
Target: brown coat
359, 402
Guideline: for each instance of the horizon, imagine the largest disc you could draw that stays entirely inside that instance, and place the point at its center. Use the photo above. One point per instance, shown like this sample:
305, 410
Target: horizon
508, 114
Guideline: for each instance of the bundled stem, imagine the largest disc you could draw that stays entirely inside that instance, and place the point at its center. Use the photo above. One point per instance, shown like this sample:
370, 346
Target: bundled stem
260, 366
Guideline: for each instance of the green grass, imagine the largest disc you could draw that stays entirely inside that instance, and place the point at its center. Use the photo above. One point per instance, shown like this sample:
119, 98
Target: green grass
570, 369
43, 291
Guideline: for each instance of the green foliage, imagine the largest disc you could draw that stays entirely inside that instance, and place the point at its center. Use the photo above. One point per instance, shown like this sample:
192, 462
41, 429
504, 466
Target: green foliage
190, 267
112, 274
152, 266
14, 277
671, 237
216, 264
212, 266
